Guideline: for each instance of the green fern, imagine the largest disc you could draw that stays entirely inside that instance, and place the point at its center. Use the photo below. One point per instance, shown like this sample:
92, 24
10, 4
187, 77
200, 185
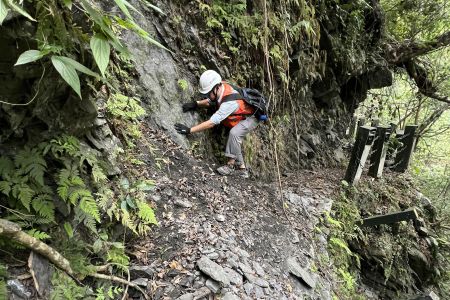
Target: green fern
40, 235
23, 193
97, 174
146, 213
5, 187
31, 162
43, 205
6, 166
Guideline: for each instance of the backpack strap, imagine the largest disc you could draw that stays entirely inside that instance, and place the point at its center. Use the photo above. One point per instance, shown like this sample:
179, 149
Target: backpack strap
232, 97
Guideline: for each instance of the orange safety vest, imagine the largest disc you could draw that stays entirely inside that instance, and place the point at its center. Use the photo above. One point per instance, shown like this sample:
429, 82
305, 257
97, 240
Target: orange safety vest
241, 113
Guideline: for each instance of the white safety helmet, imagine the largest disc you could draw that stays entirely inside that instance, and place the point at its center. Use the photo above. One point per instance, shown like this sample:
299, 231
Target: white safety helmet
208, 81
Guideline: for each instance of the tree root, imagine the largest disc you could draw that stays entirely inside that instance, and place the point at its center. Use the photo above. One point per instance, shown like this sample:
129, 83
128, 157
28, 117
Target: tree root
15, 233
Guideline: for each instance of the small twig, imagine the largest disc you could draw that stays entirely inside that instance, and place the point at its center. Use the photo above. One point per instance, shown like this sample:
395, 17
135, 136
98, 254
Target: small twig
32, 99
120, 280
125, 293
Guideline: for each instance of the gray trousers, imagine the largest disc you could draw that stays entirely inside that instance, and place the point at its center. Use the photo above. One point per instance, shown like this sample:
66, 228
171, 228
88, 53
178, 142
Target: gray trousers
237, 134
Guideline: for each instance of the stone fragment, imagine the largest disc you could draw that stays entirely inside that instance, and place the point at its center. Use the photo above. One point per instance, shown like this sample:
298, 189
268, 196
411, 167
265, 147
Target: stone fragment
18, 288
256, 280
213, 256
241, 253
294, 268
201, 293
248, 288
259, 292
235, 277
182, 203
141, 271
230, 296
141, 282
188, 296
213, 285
213, 270
220, 218
187, 281
246, 268
258, 269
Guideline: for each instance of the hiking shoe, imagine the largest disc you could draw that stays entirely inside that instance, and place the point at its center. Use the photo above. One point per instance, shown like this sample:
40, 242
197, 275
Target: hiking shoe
243, 173
225, 170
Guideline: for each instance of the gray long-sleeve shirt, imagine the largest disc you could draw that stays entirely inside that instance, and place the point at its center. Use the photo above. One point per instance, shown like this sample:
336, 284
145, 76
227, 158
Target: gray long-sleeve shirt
224, 111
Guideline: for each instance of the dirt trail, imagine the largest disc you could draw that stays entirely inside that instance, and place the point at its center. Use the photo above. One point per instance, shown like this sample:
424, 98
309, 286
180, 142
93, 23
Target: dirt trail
251, 246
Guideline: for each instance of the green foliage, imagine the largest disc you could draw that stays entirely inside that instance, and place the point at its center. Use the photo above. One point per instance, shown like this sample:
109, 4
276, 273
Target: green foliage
129, 205
409, 19
111, 292
54, 31
277, 29
125, 112
342, 229
65, 288
183, 84
100, 50
124, 107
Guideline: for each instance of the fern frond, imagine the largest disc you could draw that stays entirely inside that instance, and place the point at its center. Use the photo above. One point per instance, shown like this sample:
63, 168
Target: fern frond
143, 229
127, 221
66, 144
89, 206
63, 192
6, 166
43, 205
40, 235
31, 162
146, 213
5, 187
105, 197
97, 174
23, 193
87, 220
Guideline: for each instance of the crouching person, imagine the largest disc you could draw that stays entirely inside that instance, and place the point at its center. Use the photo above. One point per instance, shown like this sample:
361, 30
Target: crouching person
232, 112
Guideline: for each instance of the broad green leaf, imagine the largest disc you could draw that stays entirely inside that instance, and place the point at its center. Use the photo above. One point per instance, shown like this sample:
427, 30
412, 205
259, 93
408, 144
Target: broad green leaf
123, 8
100, 49
68, 3
3, 11
68, 73
28, 56
19, 9
69, 229
100, 21
77, 66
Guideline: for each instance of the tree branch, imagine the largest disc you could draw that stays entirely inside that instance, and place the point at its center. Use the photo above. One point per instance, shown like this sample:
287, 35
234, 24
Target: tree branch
424, 84
15, 233
398, 53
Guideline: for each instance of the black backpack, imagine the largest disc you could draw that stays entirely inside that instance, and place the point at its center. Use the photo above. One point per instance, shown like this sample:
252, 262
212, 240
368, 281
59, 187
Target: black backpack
253, 97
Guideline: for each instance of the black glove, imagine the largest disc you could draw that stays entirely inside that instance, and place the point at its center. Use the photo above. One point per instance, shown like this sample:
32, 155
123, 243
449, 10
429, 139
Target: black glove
182, 129
190, 106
